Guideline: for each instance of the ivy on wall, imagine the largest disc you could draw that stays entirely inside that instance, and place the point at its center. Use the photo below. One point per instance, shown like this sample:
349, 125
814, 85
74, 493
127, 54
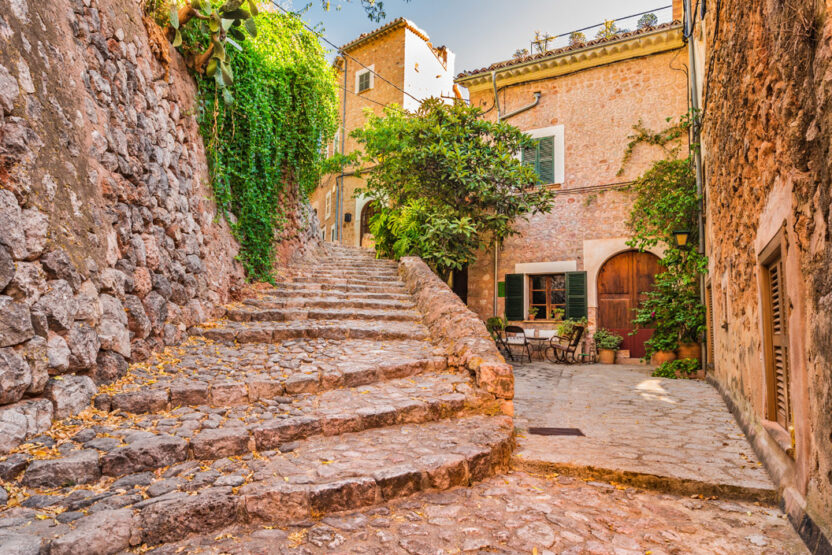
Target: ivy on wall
284, 108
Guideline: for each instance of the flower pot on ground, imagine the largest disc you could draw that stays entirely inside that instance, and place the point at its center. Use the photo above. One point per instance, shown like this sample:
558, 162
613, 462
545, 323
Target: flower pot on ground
660, 357
690, 351
607, 344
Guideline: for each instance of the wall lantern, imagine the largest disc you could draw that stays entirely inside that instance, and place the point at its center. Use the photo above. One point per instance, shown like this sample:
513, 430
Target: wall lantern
681, 238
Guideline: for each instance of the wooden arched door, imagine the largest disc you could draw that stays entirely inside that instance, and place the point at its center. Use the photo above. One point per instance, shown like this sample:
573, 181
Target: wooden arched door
367, 212
623, 282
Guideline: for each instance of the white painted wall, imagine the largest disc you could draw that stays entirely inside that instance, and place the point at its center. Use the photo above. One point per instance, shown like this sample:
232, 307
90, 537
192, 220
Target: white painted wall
424, 75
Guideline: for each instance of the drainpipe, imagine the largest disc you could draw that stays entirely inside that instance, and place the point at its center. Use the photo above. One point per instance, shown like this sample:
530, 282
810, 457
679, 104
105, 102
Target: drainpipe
502, 117
340, 191
697, 155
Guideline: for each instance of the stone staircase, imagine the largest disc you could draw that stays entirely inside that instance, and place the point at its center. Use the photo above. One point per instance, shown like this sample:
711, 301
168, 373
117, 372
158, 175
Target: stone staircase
321, 394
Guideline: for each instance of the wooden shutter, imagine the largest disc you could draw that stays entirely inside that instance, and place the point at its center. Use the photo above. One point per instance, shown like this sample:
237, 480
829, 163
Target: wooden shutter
575, 296
515, 307
779, 346
546, 160
709, 307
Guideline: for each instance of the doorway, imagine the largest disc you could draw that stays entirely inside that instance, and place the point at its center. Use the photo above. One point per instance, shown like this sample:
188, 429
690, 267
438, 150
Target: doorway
623, 283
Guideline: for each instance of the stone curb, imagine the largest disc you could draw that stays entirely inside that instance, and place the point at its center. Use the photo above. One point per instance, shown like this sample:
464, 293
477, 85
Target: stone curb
457, 328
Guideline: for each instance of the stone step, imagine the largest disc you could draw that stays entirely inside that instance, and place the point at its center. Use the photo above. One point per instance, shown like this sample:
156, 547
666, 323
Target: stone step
245, 314
393, 287
132, 444
329, 301
392, 280
219, 375
343, 295
266, 332
273, 489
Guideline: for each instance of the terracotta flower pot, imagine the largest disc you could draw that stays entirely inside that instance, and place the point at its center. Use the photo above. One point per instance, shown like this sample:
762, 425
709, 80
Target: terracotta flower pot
690, 350
606, 356
531, 317
661, 357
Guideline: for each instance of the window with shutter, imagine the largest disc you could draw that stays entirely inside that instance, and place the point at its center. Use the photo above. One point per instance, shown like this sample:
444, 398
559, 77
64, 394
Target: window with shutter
541, 158
515, 309
709, 307
575, 296
779, 350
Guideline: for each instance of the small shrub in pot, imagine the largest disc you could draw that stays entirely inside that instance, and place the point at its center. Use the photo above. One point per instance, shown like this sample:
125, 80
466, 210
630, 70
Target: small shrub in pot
607, 344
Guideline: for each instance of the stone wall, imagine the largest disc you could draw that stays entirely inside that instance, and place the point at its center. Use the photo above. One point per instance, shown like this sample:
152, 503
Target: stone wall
109, 242
767, 130
468, 343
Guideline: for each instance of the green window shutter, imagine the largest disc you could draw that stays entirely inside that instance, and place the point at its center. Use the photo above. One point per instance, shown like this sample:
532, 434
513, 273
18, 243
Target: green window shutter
529, 157
546, 160
575, 295
514, 297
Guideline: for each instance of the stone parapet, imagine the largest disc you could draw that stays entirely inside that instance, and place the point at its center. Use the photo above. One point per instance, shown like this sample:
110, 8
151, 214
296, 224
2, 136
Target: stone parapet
457, 329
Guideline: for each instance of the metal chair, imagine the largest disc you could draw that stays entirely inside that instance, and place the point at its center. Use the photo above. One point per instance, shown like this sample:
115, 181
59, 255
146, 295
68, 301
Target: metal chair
502, 346
562, 349
516, 337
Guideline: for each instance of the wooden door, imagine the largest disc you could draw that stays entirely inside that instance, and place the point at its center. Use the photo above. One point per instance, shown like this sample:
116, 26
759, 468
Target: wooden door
623, 283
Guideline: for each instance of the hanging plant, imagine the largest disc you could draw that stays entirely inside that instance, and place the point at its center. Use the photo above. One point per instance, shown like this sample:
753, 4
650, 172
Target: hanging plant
224, 26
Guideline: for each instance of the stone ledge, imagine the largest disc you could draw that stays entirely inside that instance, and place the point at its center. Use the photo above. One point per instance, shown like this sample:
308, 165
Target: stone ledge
457, 329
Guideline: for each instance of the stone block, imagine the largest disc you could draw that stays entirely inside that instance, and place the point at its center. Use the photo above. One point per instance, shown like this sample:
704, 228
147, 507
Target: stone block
102, 533
11, 223
171, 519
83, 344
141, 401
22, 420
275, 501
15, 322
190, 394
35, 353
69, 394
144, 454
58, 304
15, 376
79, 467
343, 495
221, 442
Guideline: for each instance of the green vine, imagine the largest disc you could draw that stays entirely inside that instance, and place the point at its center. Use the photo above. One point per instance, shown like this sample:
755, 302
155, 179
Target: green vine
284, 108
667, 139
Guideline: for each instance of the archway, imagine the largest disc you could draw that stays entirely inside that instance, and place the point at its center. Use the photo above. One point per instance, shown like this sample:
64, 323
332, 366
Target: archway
623, 282
367, 212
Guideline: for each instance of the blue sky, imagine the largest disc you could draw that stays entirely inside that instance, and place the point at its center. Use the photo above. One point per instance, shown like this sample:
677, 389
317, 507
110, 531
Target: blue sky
480, 32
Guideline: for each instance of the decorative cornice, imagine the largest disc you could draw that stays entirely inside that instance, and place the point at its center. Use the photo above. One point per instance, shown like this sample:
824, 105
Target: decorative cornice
571, 59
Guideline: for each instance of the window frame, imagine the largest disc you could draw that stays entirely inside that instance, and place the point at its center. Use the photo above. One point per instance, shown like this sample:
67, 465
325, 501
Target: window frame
557, 133
547, 291
328, 204
369, 70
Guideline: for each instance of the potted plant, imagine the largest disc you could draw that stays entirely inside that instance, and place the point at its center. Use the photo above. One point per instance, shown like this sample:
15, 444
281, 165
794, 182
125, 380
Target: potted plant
661, 347
533, 312
564, 329
496, 324
556, 314
679, 369
607, 344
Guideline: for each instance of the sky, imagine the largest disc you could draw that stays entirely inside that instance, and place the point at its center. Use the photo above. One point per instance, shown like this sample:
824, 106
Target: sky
480, 32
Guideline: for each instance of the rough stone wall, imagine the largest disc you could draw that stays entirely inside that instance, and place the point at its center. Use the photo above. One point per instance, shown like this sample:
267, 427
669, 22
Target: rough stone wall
468, 343
109, 247
767, 131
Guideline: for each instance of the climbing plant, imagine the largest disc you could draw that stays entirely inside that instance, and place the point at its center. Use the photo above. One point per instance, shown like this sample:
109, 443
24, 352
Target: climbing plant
284, 107
665, 201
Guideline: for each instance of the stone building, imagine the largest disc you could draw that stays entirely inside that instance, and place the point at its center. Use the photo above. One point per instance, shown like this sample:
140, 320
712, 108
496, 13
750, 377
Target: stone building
395, 64
582, 102
767, 126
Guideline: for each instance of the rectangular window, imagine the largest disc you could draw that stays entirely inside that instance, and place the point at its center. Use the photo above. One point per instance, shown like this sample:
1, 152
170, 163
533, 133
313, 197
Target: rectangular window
546, 157
332, 233
775, 336
328, 205
547, 293
364, 79
336, 143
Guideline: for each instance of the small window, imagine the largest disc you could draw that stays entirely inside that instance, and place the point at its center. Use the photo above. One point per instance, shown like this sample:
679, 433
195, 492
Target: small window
775, 333
547, 293
541, 158
332, 233
336, 142
364, 80
328, 205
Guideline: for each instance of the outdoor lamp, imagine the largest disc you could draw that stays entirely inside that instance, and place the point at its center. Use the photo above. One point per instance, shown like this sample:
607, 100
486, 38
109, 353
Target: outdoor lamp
681, 238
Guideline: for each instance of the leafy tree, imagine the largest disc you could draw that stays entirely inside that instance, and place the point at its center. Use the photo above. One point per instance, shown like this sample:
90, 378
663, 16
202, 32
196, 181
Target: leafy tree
666, 201
647, 20
374, 8
446, 182
608, 29
576, 37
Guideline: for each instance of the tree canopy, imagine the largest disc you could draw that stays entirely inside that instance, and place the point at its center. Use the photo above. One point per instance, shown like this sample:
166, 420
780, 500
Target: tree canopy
446, 182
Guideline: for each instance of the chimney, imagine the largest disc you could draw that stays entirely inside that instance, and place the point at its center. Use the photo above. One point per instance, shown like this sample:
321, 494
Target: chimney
678, 10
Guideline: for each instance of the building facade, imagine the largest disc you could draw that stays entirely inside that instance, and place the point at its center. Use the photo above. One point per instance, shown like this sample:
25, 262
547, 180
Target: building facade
583, 102
395, 64
767, 126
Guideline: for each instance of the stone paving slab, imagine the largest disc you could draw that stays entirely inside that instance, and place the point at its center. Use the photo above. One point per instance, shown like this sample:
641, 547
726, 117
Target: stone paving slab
264, 332
654, 432
315, 477
521, 513
327, 301
262, 314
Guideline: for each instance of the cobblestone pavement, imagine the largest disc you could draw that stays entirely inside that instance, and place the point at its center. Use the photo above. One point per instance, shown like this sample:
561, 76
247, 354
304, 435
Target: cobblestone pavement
656, 432
320, 395
522, 513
